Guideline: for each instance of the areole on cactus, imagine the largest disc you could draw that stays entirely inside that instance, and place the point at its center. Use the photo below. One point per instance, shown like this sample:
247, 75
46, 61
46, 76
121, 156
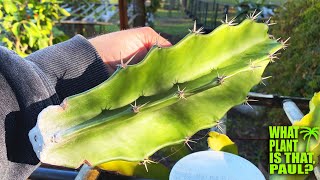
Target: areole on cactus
166, 98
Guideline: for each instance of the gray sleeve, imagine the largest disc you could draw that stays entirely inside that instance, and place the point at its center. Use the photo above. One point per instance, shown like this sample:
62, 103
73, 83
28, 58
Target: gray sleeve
71, 67
29, 85
13, 140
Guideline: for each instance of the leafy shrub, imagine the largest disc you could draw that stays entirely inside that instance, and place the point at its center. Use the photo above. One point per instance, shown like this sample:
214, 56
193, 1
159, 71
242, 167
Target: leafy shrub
297, 73
27, 25
153, 6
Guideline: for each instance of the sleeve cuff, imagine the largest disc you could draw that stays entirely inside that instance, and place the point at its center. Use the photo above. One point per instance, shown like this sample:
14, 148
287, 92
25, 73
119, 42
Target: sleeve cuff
72, 67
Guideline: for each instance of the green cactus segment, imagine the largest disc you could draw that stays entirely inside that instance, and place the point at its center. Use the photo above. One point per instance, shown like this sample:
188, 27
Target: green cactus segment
183, 89
193, 57
150, 104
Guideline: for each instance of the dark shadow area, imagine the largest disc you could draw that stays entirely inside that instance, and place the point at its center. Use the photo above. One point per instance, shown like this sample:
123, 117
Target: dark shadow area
89, 79
19, 123
17, 126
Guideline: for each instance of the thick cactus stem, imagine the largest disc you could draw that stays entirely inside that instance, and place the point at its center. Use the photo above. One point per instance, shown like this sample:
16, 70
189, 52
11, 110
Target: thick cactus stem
127, 113
177, 93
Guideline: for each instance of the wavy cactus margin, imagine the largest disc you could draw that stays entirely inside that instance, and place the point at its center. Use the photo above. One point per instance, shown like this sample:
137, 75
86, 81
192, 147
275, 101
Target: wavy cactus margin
173, 93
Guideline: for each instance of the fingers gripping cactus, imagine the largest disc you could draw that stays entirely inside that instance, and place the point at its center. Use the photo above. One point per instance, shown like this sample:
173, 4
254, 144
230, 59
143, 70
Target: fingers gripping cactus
173, 93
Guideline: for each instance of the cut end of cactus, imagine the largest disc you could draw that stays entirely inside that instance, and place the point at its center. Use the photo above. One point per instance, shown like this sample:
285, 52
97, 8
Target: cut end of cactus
36, 140
38, 135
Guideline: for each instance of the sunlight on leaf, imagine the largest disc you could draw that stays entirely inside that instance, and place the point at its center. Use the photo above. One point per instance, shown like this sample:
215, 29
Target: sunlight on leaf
221, 142
155, 170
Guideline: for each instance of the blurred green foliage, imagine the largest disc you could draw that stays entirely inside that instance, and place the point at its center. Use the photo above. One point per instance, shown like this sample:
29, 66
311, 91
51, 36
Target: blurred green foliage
297, 73
153, 6
28, 25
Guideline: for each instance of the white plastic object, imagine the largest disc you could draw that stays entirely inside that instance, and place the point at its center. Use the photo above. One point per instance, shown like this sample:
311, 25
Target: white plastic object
210, 165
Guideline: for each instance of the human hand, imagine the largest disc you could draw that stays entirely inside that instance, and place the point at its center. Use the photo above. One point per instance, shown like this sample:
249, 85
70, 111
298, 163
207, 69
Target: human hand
133, 42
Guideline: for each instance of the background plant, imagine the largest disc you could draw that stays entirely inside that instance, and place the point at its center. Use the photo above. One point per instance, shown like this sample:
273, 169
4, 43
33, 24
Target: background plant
28, 25
153, 6
298, 72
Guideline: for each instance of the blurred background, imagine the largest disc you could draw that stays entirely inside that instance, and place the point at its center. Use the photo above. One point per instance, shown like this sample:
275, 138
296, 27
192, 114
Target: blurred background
29, 25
